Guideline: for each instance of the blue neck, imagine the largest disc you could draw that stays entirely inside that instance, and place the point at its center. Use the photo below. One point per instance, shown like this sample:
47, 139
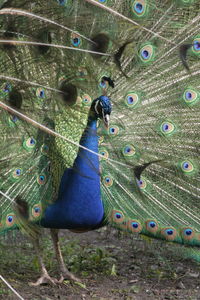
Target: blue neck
79, 204
86, 162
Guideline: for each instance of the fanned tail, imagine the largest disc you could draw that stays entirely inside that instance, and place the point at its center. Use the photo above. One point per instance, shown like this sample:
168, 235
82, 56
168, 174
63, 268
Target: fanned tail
149, 156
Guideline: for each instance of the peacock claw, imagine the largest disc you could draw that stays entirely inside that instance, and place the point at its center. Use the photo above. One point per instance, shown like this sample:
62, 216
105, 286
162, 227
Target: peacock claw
68, 276
44, 279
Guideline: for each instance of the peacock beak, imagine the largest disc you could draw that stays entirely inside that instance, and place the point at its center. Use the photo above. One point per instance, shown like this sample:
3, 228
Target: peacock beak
106, 120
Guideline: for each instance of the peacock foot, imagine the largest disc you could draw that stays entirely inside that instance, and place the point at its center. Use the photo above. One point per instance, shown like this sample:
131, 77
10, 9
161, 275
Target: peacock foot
44, 279
68, 276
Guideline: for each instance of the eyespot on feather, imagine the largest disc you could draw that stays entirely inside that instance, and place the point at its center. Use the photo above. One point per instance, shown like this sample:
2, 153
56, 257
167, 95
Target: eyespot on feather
86, 100
187, 233
113, 130
190, 96
147, 53
142, 183
104, 153
29, 144
117, 217
139, 8
134, 226
40, 93
41, 179
132, 99
151, 226
17, 174
75, 40
10, 220
188, 167
167, 128
107, 181
169, 233
36, 210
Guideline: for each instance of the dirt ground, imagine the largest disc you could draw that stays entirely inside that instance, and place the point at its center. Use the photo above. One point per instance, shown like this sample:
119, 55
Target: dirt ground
111, 266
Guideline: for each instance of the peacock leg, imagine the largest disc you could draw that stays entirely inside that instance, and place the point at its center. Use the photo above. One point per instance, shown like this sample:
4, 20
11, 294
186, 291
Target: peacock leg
45, 277
65, 274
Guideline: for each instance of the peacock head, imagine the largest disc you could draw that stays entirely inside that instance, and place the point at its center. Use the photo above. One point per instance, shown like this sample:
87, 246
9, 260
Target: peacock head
101, 108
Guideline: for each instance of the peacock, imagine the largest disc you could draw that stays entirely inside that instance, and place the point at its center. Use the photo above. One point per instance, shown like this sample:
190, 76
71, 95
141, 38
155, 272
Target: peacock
99, 119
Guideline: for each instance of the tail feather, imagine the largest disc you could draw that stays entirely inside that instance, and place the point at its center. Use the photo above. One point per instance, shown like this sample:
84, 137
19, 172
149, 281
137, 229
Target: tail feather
149, 155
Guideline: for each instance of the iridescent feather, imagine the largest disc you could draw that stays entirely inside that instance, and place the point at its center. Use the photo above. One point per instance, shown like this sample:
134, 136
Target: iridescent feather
149, 154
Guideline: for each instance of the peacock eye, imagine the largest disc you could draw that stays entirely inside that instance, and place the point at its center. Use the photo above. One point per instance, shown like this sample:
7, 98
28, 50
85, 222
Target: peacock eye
41, 179
108, 181
147, 53
142, 184
104, 153
40, 93
16, 174
134, 226
86, 100
132, 99
139, 7
32, 141
197, 45
113, 130
191, 96
151, 226
187, 166
188, 233
10, 219
102, 1
188, 95
117, 216
128, 150
169, 233
167, 128
75, 40
36, 210
29, 143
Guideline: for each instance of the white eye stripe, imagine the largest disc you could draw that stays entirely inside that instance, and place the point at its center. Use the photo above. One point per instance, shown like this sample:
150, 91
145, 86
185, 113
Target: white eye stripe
107, 118
95, 107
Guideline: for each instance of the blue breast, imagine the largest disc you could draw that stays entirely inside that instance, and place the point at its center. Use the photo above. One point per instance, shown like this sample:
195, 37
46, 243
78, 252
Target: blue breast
79, 204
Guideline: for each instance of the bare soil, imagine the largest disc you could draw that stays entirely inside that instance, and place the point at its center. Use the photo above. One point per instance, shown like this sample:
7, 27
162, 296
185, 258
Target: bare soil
110, 264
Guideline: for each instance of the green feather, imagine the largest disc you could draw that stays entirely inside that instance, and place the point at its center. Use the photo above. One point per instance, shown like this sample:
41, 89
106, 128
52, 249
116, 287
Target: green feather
154, 121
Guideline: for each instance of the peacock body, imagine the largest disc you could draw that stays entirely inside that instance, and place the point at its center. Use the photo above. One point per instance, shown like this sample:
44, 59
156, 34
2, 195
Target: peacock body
144, 56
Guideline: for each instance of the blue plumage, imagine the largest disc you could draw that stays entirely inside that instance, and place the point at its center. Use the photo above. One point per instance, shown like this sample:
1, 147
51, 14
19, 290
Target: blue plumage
79, 204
